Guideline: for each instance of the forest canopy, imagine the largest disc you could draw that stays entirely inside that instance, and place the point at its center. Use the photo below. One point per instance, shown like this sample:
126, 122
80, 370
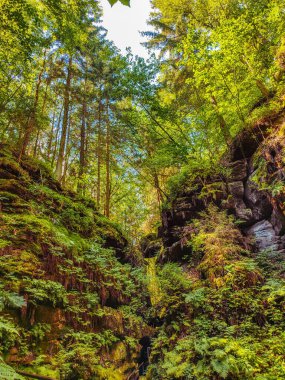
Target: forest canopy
110, 125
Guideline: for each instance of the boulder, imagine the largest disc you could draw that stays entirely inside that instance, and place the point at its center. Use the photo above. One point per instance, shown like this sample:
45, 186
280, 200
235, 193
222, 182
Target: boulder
183, 204
242, 212
264, 235
172, 235
278, 221
236, 189
237, 207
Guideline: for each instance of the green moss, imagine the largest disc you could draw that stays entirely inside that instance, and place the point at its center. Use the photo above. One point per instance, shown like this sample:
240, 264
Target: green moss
12, 186
6, 197
19, 263
13, 167
4, 243
44, 365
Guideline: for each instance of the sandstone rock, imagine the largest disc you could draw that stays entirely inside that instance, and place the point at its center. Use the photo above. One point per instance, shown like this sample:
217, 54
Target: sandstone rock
172, 235
257, 200
242, 212
183, 204
251, 191
177, 251
213, 192
278, 221
238, 170
236, 189
191, 202
264, 234
152, 249
262, 215
237, 207
248, 141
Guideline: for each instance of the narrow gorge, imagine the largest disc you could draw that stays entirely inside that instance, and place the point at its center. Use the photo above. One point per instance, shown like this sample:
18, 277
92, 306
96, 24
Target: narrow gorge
77, 298
142, 190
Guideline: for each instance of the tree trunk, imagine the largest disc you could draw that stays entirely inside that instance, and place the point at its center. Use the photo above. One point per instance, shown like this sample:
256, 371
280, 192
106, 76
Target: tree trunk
68, 147
36, 144
108, 180
99, 142
82, 158
50, 138
42, 110
60, 159
158, 190
31, 123
56, 138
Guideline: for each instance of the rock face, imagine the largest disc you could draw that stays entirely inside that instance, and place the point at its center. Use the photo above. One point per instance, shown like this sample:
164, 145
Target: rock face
265, 236
253, 192
150, 245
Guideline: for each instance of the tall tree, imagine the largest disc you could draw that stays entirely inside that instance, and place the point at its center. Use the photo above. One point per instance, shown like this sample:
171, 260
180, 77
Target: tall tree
64, 130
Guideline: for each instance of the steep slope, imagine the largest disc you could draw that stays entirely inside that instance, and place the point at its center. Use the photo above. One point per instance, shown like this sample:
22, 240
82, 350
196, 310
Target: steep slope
72, 294
221, 266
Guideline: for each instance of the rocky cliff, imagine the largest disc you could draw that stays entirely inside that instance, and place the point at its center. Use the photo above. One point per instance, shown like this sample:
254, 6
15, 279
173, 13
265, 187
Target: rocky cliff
74, 299
220, 264
250, 187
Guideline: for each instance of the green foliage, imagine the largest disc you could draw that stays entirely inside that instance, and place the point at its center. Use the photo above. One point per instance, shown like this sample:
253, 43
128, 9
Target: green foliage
39, 331
174, 286
45, 291
10, 300
9, 333
222, 320
8, 373
44, 365
222, 358
197, 297
193, 174
125, 2
3, 243
80, 354
57, 265
219, 73
72, 214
